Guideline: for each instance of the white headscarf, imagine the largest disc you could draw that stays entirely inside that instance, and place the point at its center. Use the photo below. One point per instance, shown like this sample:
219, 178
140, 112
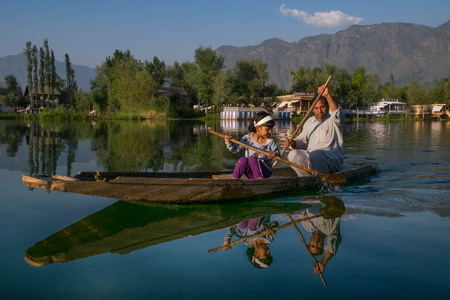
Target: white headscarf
263, 120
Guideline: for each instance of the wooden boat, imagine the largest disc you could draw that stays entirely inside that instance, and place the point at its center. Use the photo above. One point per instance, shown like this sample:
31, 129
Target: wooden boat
124, 227
187, 187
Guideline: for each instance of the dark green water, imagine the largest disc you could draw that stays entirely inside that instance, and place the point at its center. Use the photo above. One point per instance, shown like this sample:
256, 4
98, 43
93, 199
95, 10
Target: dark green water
394, 233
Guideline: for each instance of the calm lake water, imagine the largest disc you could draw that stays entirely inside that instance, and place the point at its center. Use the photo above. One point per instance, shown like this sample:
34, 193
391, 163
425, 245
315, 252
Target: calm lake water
394, 235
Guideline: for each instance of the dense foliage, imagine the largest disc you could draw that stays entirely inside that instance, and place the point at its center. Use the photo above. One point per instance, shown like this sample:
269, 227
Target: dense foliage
125, 86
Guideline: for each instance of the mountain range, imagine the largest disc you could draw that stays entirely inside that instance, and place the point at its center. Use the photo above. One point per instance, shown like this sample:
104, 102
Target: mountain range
404, 50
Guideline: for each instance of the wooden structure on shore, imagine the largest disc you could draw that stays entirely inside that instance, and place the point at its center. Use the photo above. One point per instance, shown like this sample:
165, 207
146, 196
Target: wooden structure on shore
239, 113
440, 111
295, 104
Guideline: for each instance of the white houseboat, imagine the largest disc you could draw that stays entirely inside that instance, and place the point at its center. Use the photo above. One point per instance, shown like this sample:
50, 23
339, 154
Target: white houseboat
386, 106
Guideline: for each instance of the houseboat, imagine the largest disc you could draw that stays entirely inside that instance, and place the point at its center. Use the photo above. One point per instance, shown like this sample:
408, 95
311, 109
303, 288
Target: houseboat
440, 111
421, 110
386, 106
291, 105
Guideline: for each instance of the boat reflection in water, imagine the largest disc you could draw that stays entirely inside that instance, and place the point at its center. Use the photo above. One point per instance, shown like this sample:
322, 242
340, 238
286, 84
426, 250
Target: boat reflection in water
124, 227
321, 219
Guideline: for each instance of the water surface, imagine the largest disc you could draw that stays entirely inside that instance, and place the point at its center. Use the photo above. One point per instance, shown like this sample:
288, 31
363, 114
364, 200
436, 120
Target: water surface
394, 235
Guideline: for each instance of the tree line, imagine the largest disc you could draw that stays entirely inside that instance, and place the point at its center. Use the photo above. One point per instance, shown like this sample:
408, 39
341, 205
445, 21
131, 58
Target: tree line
126, 85
123, 83
42, 80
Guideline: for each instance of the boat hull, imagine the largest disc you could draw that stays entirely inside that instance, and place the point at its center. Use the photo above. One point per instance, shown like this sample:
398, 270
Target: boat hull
185, 187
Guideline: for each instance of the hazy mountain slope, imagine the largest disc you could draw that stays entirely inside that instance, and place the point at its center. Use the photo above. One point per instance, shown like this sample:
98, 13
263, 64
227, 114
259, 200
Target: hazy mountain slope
404, 50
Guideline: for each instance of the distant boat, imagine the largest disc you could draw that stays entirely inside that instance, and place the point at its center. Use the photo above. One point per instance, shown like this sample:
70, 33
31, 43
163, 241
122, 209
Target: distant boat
386, 106
441, 111
378, 109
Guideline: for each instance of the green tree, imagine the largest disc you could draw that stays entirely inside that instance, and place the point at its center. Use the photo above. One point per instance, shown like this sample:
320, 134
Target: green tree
359, 81
342, 86
42, 71
208, 66
390, 90
175, 75
415, 93
133, 86
157, 70
71, 85
53, 75
190, 80
221, 89
439, 92
99, 90
108, 69
249, 80
34, 91
83, 100
307, 80
47, 74
371, 92
12, 97
28, 53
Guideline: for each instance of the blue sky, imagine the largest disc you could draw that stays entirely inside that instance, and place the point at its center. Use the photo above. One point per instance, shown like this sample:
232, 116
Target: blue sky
90, 30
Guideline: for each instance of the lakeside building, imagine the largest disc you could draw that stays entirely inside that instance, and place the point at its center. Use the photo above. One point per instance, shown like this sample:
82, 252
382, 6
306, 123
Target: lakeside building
440, 111
421, 110
42, 99
286, 108
291, 105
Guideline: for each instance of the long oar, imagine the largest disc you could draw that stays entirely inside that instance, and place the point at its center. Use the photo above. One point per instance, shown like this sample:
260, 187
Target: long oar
328, 177
266, 231
300, 126
306, 246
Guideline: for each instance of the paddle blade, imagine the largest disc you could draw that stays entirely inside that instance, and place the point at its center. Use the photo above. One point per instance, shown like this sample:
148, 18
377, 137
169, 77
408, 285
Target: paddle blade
334, 207
333, 178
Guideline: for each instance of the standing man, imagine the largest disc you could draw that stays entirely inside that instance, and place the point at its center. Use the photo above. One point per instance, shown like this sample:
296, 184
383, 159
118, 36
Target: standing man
320, 145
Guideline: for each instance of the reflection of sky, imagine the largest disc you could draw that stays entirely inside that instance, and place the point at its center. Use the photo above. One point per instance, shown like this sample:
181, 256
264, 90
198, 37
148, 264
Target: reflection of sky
15, 162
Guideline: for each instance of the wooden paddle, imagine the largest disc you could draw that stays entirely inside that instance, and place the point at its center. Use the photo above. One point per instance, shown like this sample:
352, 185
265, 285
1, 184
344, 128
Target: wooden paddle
300, 126
265, 232
328, 177
330, 211
316, 263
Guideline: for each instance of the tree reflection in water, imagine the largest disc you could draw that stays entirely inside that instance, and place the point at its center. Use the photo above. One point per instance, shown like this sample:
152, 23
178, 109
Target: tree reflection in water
116, 145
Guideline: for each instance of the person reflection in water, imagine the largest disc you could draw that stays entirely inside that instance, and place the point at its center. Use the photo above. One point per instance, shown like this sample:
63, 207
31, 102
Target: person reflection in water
321, 229
259, 253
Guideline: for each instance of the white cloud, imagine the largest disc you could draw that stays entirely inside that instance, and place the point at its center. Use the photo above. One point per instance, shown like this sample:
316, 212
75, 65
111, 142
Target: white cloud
329, 19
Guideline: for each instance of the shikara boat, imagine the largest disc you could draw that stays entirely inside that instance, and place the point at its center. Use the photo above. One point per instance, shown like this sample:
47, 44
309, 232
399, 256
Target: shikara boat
124, 227
188, 187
